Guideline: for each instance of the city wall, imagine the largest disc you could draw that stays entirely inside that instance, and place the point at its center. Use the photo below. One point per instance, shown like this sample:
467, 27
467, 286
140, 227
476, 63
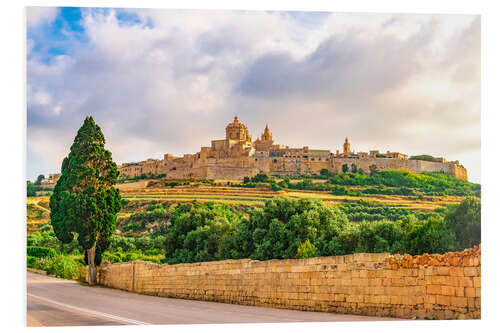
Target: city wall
404, 286
398, 164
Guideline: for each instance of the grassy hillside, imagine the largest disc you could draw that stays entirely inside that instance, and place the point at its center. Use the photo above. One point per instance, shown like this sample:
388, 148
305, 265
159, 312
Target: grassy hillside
271, 217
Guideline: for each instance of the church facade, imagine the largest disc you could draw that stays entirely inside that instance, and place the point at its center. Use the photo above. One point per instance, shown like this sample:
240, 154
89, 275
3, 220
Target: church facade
238, 156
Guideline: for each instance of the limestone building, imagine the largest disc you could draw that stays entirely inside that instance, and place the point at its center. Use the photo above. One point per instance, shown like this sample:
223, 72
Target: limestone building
238, 156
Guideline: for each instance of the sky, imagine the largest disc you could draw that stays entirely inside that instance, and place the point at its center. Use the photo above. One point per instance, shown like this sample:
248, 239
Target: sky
168, 81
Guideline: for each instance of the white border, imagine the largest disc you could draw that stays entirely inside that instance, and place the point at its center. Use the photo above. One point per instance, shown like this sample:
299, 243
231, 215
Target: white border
13, 140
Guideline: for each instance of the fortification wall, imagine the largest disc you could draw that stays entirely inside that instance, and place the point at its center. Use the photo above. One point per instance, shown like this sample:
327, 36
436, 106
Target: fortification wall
398, 164
434, 286
232, 168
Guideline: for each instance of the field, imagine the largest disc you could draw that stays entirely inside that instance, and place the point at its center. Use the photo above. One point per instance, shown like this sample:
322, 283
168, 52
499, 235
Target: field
139, 191
37, 213
256, 197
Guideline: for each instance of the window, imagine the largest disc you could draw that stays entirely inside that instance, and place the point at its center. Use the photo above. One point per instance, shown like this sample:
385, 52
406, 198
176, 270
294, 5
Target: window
278, 154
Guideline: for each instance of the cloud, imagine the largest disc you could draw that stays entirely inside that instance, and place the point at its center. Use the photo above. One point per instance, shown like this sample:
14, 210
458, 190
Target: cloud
160, 81
36, 16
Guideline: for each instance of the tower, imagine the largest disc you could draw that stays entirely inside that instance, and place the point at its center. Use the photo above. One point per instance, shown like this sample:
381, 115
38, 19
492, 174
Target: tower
347, 147
266, 136
236, 131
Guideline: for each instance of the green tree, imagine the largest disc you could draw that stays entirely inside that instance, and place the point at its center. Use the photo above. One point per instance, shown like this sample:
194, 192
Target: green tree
84, 201
306, 250
465, 220
39, 179
373, 170
345, 168
354, 168
30, 189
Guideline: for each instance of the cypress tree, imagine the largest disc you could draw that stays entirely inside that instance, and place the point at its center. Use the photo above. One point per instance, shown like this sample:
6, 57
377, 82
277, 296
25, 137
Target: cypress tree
84, 201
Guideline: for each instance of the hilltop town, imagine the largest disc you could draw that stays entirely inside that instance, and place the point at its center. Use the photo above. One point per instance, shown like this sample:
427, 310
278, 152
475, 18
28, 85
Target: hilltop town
237, 156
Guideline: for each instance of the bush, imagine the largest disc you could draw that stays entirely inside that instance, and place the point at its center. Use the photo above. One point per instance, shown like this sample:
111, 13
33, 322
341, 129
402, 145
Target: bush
31, 261
64, 266
306, 250
41, 252
196, 232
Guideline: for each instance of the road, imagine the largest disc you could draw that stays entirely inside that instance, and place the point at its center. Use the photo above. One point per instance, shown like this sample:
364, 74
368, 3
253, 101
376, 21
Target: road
57, 302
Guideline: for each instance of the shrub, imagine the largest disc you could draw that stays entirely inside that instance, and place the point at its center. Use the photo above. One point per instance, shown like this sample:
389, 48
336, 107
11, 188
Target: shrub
306, 250
31, 261
131, 226
41, 252
64, 266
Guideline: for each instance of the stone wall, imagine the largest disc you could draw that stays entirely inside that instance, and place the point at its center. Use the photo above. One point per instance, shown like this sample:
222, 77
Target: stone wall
433, 286
397, 164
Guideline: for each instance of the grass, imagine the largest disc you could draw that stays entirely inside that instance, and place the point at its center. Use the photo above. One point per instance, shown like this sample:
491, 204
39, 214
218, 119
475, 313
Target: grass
38, 214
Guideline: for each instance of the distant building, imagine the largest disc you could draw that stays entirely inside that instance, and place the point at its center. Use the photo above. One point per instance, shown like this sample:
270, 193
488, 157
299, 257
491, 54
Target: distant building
237, 156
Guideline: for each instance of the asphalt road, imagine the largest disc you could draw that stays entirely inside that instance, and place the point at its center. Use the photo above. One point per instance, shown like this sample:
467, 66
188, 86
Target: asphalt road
58, 302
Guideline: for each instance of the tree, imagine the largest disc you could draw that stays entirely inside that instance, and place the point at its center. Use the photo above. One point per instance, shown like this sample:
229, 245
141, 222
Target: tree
345, 168
39, 179
354, 168
373, 169
465, 220
84, 201
30, 189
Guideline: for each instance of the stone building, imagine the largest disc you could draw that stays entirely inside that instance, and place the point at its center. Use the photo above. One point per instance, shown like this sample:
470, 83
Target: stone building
237, 156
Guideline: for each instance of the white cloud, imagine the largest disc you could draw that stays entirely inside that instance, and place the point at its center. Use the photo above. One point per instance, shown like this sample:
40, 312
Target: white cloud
395, 82
36, 16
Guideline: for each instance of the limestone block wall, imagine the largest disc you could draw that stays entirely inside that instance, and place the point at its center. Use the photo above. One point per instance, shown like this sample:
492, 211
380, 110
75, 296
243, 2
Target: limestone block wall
398, 164
433, 286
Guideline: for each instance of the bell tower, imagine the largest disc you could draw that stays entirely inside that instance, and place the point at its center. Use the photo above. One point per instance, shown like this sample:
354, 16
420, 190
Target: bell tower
266, 136
347, 147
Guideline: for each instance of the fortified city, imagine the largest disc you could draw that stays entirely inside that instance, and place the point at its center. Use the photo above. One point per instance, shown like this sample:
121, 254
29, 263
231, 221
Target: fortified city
238, 156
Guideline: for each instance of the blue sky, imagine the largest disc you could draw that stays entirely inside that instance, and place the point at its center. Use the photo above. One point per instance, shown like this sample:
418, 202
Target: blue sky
168, 81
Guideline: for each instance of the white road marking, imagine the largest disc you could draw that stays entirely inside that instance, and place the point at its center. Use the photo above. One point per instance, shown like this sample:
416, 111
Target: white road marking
96, 313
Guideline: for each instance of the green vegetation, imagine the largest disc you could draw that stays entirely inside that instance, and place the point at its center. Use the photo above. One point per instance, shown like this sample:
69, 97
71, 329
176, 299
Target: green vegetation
123, 178
306, 250
40, 252
203, 232
283, 228
85, 201
386, 182
196, 231
31, 261
32, 189
407, 183
361, 210
39, 179
428, 158
64, 266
